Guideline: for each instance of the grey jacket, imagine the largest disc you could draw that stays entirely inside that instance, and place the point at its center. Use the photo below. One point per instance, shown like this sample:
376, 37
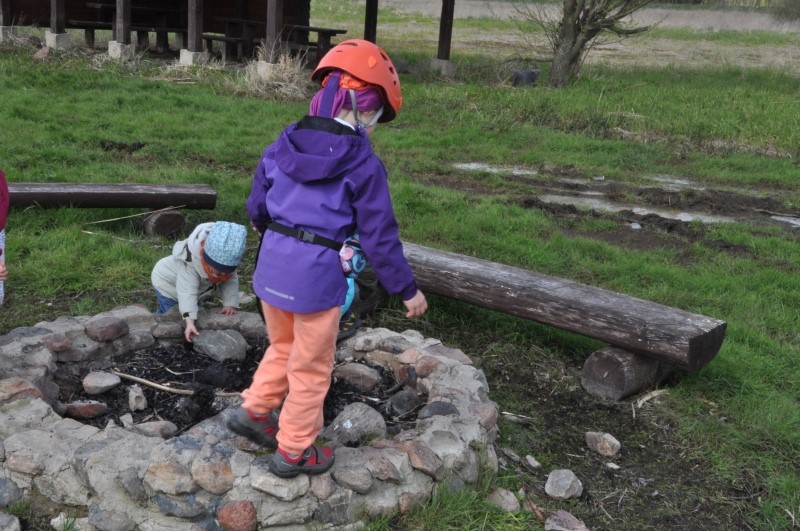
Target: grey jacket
181, 277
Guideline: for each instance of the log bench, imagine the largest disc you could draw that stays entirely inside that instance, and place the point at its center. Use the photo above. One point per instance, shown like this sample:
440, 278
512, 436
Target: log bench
165, 200
647, 340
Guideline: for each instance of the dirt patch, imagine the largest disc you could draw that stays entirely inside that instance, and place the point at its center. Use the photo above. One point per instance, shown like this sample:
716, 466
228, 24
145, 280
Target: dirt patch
652, 483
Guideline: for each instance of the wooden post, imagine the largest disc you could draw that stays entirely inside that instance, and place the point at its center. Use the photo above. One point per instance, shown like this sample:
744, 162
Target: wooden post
667, 334
123, 22
195, 22
613, 373
371, 21
446, 29
5, 13
274, 27
58, 18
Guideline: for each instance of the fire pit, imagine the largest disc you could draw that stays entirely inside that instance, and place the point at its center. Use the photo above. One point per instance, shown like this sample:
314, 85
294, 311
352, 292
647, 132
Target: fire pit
426, 420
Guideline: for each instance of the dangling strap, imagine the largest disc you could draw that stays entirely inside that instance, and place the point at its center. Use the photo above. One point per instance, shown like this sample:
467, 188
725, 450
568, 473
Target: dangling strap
328, 95
304, 236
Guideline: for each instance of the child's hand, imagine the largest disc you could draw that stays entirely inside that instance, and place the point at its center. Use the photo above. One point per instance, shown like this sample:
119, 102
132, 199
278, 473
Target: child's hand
227, 310
191, 330
3, 271
416, 305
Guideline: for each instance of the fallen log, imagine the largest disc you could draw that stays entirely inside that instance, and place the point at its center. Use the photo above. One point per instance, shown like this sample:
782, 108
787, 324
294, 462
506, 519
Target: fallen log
117, 195
683, 339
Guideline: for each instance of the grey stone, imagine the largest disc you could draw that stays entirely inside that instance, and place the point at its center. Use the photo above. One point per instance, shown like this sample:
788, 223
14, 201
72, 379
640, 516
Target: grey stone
136, 399
221, 345
561, 520
157, 428
96, 382
604, 444
358, 375
9, 522
504, 499
9, 493
437, 408
355, 423
563, 484
355, 477
106, 520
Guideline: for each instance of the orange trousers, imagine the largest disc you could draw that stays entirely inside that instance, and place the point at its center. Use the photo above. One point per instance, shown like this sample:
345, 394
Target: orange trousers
296, 372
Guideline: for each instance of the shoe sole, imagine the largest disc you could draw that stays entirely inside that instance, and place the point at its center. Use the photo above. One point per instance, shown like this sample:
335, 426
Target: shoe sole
295, 470
256, 436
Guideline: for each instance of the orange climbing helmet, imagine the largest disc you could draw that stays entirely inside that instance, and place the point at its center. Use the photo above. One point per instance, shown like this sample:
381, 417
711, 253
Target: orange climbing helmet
369, 63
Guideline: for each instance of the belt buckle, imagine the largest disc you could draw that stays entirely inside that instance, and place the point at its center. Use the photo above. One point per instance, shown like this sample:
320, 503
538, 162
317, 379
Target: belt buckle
306, 236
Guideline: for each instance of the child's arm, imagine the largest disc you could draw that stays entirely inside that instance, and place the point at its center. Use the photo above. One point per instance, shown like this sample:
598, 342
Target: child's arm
3, 271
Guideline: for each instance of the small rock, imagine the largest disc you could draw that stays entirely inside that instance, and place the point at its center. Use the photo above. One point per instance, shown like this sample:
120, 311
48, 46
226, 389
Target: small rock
563, 484
602, 443
612, 466
504, 499
136, 399
532, 463
87, 409
158, 428
563, 521
98, 382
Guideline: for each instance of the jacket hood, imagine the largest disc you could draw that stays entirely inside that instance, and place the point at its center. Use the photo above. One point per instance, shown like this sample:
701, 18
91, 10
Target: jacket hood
320, 149
198, 236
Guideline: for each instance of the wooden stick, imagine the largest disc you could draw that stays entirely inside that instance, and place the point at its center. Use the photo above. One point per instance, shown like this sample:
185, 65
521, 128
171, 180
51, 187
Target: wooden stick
185, 392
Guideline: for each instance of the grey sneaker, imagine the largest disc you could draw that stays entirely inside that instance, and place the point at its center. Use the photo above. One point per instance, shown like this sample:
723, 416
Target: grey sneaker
315, 460
260, 429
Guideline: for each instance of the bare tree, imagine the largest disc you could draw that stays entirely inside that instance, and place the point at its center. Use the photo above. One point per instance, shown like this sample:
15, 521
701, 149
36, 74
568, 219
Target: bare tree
572, 35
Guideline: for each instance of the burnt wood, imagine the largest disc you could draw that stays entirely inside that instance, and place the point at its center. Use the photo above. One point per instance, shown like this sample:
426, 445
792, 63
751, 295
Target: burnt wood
98, 195
613, 373
671, 335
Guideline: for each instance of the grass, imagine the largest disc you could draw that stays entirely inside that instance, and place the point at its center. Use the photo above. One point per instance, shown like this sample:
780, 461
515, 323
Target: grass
62, 118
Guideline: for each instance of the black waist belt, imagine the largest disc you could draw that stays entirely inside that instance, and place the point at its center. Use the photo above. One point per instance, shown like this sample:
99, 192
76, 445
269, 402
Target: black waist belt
304, 236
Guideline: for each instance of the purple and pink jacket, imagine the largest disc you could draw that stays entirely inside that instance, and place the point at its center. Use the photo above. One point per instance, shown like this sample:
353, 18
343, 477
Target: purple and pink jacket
322, 176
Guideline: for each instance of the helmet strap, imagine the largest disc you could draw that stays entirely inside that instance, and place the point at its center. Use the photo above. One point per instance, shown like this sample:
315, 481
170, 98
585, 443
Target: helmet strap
354, 104
329, 95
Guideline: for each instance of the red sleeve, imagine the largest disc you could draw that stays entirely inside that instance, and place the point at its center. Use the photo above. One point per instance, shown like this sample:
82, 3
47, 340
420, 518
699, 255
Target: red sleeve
4, 200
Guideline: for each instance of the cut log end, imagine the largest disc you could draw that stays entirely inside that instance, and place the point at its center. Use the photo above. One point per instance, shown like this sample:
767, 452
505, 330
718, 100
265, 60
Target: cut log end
164, 223
613, 373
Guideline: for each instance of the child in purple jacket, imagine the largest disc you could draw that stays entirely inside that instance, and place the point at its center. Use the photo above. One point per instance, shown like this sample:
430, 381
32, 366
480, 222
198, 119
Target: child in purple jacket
315, 186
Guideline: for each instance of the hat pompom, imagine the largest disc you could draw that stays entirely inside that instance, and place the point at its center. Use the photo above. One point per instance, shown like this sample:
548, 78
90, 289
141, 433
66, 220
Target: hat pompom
225, 246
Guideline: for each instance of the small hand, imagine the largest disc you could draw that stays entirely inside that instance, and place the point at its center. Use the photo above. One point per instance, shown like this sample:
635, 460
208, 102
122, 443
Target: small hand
191, 330
416, 305
3, 271
227, 310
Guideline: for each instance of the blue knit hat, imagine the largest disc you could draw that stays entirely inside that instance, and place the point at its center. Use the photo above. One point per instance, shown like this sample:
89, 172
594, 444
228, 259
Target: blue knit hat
225, 246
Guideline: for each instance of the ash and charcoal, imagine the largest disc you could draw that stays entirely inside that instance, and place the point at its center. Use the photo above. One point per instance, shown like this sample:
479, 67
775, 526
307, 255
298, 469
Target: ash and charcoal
216, 385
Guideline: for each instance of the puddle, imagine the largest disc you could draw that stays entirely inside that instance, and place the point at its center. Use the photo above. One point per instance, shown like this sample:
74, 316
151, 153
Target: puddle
794, 222
674, 183
602, 204
480, 166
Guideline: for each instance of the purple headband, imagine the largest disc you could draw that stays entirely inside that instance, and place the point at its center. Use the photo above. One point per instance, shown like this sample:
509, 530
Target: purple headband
368, 99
